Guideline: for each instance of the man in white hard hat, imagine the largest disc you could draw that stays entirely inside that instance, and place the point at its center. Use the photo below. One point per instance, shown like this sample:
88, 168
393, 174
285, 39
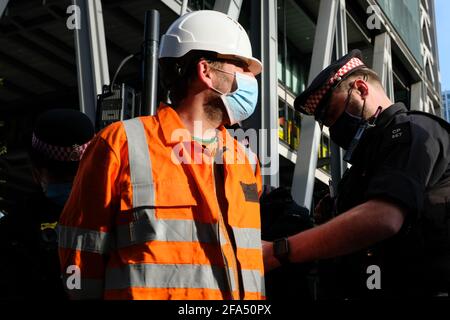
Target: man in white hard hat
140, 223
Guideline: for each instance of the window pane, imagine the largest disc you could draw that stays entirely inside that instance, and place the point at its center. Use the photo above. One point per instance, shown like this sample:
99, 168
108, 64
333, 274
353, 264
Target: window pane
405, 15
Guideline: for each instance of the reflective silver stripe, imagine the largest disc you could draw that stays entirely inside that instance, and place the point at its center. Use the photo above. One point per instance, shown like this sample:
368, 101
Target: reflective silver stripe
263, 286
89, 289
247, 238
222, 238
83, 239
140, 164
252, 281
148, 228
166, 276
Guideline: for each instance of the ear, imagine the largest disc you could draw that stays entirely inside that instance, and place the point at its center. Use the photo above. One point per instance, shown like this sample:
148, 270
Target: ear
362, 87
204, 73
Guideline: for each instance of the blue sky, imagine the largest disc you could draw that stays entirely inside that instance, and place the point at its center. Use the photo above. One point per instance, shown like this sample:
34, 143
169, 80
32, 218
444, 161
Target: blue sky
443, 29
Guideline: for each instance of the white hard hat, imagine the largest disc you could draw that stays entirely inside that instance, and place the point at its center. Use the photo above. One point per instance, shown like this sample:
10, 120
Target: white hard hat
208, 30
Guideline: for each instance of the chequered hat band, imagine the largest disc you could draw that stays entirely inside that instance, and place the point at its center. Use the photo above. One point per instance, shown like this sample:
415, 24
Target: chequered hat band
314, 99
73, 153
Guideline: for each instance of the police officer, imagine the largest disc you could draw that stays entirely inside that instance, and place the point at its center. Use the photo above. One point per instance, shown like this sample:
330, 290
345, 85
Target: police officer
28, 240
392, 230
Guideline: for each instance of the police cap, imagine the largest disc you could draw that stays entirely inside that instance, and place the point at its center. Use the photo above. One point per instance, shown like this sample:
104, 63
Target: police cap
314, 100
62, 135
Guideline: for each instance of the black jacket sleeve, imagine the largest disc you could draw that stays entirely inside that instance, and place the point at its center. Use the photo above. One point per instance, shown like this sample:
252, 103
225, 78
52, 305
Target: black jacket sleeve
413, 154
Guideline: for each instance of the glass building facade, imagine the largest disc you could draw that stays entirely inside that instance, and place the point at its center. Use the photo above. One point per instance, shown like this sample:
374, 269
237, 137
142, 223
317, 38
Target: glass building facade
446, 104
405, 16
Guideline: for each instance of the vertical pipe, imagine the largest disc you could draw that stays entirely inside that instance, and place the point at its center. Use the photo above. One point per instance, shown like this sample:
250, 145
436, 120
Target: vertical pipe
285, 74
150, 63
338, 166
306, 164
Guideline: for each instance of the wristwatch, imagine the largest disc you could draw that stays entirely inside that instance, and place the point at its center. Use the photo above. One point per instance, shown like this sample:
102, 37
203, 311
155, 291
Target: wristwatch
281, 250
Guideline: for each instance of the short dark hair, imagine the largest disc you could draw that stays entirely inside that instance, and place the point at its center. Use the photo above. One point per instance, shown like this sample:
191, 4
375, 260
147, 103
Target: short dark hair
365, 73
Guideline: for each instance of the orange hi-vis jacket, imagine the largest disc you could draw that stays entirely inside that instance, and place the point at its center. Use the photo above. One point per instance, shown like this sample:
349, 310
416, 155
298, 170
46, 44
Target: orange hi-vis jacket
141, 225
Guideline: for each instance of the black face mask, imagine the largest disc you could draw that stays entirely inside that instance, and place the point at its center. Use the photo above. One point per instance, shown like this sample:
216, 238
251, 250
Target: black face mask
344, 129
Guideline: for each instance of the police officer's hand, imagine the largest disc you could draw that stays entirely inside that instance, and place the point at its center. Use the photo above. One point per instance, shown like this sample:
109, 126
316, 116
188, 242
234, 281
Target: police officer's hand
270, 262
323, 212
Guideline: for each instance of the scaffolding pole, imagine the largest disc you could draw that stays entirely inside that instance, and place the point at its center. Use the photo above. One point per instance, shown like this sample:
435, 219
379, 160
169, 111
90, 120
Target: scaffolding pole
264, 36
338, 166
306, 164
382, 62
3, 5
91, 55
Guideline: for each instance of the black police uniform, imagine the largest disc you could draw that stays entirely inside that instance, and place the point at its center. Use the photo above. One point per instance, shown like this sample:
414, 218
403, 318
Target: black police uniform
404, 159
30, 268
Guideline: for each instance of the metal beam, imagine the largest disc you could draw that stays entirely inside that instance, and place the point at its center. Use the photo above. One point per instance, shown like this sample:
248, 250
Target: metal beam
40, 21
417, 95
264, 38
16, 89
129, 20
301, 6
230, 7
48, 55
434, 44
30, 71
55, 42
54, 13
269, 89
54, 10
45, 100
382, 62
306, 164
184, 7
338, 166
175, 5
92, 59
118, 12
3, 5
27, 38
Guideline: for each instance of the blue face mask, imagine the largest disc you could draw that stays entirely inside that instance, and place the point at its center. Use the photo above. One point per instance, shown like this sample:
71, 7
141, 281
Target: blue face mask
58, 192
241, 103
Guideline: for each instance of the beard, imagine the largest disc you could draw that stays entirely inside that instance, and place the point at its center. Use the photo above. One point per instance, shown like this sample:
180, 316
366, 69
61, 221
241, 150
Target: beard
215, 109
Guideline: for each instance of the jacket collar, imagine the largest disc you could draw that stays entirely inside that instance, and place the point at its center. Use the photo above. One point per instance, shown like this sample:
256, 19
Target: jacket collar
175, 132
172, 127
388, 113
383, 120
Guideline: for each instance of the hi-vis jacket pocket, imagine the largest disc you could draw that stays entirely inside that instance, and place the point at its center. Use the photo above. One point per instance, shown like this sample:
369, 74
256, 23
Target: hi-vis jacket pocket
168, 219
174, 200
171, 219
164, 193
